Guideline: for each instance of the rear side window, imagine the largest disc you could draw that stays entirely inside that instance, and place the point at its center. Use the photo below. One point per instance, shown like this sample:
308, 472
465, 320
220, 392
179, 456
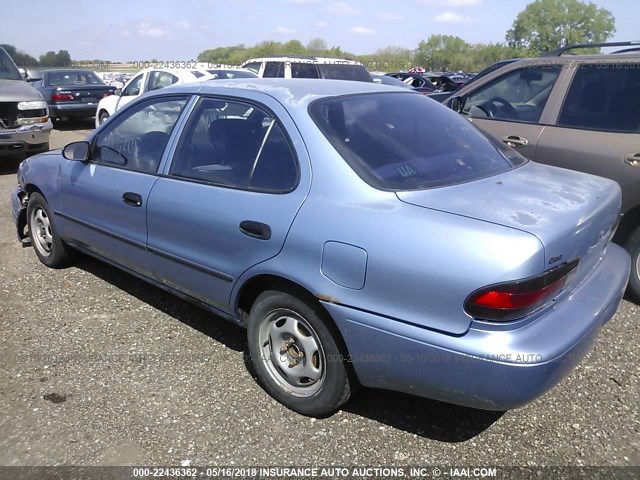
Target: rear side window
253, 66
159, 80
404, 141
342, 71
604, 97
304, 70
274, 70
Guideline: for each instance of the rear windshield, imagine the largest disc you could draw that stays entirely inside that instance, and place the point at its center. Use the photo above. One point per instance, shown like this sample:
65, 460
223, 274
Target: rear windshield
406, 141
342, 71
75, 77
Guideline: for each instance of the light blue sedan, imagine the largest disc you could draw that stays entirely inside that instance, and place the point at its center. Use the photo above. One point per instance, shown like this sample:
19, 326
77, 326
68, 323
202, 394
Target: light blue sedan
363, 234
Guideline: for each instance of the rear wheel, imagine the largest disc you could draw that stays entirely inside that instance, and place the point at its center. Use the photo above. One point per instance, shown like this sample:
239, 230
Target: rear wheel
296, 355
102, 117
633, 247
48, 246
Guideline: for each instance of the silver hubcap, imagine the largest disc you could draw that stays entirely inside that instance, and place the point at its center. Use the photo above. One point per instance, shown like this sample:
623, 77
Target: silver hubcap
638, 267
292, 353
40, 227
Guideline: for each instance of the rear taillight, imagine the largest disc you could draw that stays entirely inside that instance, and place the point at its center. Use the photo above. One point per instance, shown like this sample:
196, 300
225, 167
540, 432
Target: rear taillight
507, 301
106, 94
62, 97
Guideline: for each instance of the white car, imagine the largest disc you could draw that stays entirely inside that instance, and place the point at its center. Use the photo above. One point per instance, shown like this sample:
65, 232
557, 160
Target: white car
308, 67
145, 81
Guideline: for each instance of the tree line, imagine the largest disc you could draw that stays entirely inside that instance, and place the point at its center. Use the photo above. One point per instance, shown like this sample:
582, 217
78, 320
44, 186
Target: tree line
49, 59
542, 26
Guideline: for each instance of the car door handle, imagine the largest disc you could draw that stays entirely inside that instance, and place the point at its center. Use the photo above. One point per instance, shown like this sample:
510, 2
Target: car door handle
258, 230
632, 159
514, 141
133, 199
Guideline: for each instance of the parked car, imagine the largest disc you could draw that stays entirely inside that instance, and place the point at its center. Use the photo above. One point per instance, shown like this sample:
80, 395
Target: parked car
144, 81
415, 80
229, 73
308, 67
71, 93
395, 82
577, 111
442, 82
24, 117
420, 256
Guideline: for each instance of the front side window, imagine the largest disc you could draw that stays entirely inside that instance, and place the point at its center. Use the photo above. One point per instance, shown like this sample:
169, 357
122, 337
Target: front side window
8, 70
393, 143
274, 70
136, 139
520, 95
604, 97
237, 145
134, 87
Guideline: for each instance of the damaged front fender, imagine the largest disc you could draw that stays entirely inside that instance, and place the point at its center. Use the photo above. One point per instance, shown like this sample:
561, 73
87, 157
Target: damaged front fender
19, 200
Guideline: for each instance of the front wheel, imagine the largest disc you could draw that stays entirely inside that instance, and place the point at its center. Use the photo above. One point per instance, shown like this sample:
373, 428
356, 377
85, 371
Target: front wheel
48, 246
296, 355
633, 247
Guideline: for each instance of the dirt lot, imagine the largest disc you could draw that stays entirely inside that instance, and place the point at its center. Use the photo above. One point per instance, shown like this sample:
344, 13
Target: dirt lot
99, 368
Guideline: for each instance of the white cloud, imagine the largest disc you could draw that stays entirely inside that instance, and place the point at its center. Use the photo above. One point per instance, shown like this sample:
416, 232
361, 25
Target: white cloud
390, 17
299, 1
183, 24
450, 17
342, 9
283, 30
451, 3
146, 30
362, 30
320, 23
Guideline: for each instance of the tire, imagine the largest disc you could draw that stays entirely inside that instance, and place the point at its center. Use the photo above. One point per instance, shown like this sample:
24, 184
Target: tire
46, 242
102, 117
632, 246
296, 355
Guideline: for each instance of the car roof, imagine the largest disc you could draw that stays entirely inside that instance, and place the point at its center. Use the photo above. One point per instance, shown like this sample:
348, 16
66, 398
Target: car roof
303, 59
293, 92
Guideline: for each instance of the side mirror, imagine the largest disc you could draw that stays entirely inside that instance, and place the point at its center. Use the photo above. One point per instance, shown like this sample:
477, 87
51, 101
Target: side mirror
456, 104
118, 92
78, 151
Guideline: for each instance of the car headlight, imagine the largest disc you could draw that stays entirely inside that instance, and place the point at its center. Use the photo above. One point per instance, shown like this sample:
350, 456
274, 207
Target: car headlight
32, 105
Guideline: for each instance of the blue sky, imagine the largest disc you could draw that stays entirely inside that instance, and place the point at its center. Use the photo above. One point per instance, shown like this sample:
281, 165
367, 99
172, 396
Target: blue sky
179, 30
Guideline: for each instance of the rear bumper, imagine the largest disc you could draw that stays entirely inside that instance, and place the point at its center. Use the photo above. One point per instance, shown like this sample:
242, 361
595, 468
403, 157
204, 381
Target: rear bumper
488, 369
27, 139
73, 110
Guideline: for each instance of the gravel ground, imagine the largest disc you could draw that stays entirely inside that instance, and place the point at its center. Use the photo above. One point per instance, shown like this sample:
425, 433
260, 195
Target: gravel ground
99, 368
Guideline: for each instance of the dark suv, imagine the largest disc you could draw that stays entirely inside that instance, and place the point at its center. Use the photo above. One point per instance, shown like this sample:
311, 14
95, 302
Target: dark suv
574, 111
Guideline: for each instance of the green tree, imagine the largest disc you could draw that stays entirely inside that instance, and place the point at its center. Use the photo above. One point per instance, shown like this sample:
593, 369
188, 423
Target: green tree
316, 46
63, 58
293, 47
546, 25
48, 59
21, 58
442, 53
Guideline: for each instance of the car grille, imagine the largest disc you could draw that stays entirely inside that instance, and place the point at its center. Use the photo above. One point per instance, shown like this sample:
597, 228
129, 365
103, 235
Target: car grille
9, 114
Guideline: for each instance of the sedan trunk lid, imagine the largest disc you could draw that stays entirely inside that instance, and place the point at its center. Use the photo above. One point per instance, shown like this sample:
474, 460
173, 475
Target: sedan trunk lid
572, 213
